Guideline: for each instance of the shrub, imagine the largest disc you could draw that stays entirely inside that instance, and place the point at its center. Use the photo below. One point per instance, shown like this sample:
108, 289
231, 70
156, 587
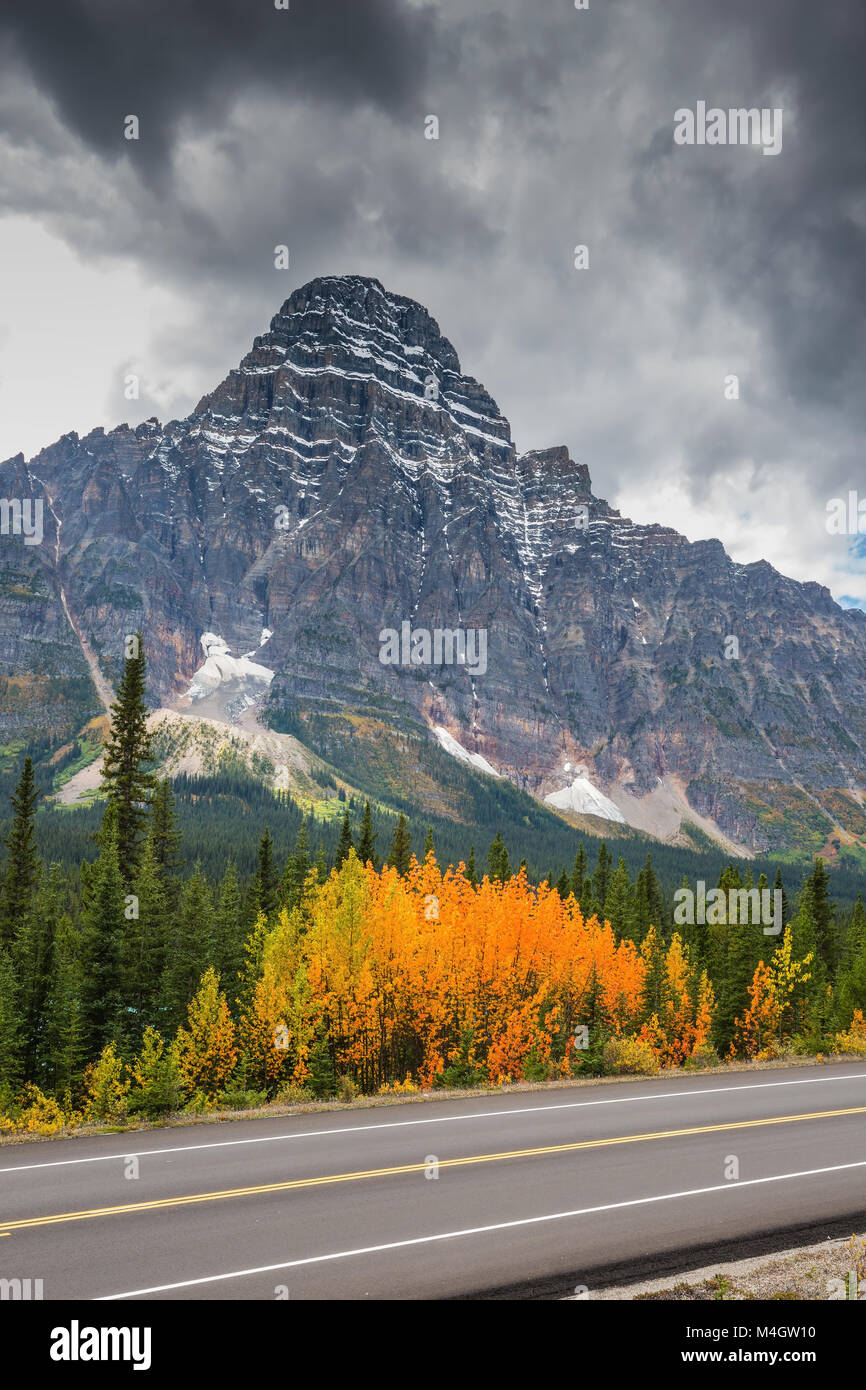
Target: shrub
629, 1056
855, 1038
106, 1088
702, 1057
399, 1088
156, 1073
206, 1049
35, 1113
348, 1090
294, 1095
239, 1098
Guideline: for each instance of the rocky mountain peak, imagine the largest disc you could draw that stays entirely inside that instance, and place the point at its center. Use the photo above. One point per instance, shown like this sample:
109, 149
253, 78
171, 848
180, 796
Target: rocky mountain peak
348, 478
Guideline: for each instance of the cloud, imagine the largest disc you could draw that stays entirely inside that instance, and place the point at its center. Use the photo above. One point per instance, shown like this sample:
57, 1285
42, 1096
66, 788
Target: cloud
172, 62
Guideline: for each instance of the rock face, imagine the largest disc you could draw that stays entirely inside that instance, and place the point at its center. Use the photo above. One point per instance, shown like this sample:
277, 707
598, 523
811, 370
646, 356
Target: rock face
348, 479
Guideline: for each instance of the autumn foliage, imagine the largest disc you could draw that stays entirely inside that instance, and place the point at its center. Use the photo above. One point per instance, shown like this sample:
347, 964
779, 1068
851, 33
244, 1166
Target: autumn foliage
410, 977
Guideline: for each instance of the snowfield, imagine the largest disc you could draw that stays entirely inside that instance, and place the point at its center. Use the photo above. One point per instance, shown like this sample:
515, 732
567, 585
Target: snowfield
585, 799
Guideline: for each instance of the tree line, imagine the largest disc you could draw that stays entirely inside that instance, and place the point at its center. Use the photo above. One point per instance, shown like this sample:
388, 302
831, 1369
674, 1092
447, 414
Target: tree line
373, 969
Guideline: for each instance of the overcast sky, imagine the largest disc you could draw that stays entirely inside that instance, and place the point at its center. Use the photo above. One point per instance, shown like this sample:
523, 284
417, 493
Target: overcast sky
306, 127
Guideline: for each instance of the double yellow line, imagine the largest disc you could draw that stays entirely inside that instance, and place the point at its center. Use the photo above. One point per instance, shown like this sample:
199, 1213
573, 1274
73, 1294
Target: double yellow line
93, 1213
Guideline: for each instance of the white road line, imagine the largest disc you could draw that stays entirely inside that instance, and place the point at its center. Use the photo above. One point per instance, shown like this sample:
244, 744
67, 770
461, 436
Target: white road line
433, 1120
477, 1231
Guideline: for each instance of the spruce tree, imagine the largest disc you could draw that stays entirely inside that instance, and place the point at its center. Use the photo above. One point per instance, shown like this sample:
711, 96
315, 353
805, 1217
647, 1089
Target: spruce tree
822, 911
143, 946
471, 871
346, 843
228, 952
851, 989
578, 873
601, 877
498, 863
648, 903
855, 937
778, 886
297, 868
563, 885
618, 903
11, 1050
429, 847
367, 841
166, 839
103, 922
745, 947
266, 876
127, 751
32, 958
22, 867
401, 846
190, 950
65, 1027
321, 865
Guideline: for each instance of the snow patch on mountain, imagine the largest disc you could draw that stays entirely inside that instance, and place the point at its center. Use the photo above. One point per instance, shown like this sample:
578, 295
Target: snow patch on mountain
586, 800
221, 668
450, 744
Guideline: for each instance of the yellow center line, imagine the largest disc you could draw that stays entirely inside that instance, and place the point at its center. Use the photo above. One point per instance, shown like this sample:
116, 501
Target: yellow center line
158, 1203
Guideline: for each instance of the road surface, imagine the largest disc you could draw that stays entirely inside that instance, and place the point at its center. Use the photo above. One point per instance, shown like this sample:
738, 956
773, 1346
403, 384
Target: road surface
528, 1194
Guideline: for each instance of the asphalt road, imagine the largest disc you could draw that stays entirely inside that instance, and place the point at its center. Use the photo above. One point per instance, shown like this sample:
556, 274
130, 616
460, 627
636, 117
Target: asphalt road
537, 1193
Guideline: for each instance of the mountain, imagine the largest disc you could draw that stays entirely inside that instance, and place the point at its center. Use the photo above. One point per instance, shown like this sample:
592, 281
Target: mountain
348, 486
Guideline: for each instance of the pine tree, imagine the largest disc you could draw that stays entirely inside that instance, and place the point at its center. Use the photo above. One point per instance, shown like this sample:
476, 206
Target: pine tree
367, 842
401, 846
618, 903
266, 876
167, 838
22, 868
498, 864
816, 900
103, 922
346, 842
143, 946
648, 903
127, 751
228, 951
578, 873
254, 950
190, 951
746, 946
32, 959
471, 871
855, 937
601, 877
11, 1059
429, 847
563, 885
851, 989
65, 1047
297, 868
779, 886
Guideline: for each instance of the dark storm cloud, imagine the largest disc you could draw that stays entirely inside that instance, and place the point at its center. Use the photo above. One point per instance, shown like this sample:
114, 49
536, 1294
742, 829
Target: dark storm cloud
167, 60
781, 238
262, 127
